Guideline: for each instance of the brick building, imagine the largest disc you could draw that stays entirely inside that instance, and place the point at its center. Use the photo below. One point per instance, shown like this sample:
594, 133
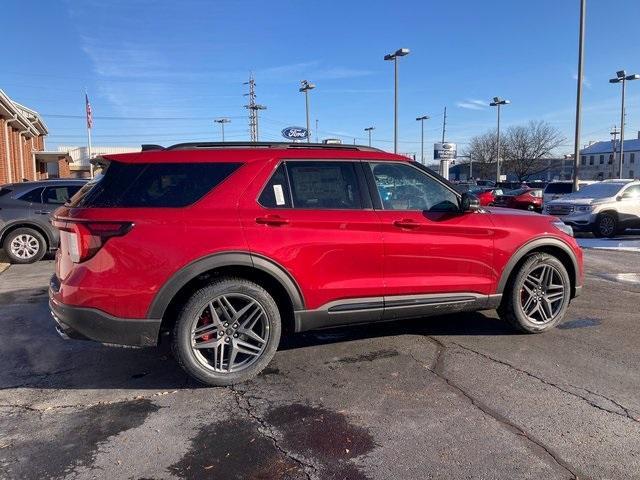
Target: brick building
22, 151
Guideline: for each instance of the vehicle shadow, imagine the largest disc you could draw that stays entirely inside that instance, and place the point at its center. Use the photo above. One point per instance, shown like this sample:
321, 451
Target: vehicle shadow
35, 357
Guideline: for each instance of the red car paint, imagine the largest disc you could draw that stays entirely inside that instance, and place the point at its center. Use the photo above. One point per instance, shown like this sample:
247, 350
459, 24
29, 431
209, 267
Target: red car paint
523, 199
329, 254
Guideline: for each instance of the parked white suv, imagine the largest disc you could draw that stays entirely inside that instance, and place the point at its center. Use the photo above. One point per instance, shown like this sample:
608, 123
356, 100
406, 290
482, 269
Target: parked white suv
559, 189
605, 208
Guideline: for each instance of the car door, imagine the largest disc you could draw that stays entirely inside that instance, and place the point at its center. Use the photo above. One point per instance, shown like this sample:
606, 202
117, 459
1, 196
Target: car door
629, 206
17, 207
315, 219
430, 247
53, 197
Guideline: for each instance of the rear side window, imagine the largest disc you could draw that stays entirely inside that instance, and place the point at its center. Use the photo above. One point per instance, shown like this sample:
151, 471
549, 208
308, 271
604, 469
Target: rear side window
59, 195
154, 184
324, 185
33, 196
276, 192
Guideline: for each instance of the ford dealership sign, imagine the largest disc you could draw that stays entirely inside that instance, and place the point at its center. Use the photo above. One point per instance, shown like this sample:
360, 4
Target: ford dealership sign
295, 133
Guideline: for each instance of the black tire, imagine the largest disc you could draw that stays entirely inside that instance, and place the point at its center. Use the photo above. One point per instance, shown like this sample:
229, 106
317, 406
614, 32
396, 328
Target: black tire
511, 308
606, 225
36, 250
197, 362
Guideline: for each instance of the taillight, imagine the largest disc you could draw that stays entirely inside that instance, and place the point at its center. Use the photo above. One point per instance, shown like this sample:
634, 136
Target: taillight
83, 239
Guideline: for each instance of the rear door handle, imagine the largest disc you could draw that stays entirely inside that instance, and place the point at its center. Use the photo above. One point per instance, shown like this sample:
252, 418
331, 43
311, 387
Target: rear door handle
273, 220
406, 223
42, 212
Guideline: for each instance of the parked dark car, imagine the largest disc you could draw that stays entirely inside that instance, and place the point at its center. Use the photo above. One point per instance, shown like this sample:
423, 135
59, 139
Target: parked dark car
26, 233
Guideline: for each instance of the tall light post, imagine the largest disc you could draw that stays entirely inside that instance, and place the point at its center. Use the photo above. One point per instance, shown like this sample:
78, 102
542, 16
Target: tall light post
305, 86
498, 102
421, 120
369, 130
222, 121
576, 140
622, 77
394, 56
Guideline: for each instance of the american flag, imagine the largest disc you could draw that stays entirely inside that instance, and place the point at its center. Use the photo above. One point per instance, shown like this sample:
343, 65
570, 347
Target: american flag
89, 112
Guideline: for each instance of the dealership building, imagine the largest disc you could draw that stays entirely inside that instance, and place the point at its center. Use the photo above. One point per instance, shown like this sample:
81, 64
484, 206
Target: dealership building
22, 148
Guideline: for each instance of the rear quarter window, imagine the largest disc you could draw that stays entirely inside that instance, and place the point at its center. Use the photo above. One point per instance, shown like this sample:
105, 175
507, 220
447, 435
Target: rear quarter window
153, 185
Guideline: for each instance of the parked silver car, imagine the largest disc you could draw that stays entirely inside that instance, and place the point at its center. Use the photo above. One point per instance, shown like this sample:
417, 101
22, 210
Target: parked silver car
26, 233
605, 208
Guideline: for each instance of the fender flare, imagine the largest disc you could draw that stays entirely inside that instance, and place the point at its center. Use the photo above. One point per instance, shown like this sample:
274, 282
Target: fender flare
226, 259
528, 248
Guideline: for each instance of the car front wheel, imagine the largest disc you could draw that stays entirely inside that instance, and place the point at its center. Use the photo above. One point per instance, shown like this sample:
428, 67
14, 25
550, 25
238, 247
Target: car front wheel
538, 295
606, 226
227, 332
24, 245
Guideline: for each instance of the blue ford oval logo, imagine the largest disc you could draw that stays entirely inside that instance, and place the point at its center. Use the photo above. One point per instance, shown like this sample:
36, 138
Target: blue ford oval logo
295, 133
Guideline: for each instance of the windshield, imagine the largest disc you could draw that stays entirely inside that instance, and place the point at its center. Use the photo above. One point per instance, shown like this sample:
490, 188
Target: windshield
597, 190
559, 188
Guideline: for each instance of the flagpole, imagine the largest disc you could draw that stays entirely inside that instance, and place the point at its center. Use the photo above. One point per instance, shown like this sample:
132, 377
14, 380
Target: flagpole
89, 149
89, 121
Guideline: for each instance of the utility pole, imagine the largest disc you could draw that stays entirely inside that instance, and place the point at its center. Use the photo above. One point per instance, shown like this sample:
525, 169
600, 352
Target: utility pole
421, 120
401, 52
222, 121
305, 86
614, 138
316, 130
369, 130
253, 108
576, 140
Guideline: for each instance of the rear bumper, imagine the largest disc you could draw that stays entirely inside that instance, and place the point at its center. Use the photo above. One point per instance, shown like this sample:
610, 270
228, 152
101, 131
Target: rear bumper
92, 324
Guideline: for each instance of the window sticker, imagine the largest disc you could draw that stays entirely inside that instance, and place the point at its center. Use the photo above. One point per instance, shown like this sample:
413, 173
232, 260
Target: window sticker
277, 191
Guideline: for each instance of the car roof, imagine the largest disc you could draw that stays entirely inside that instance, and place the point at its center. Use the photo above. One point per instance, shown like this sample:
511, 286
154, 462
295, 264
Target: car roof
46, 183
251, 152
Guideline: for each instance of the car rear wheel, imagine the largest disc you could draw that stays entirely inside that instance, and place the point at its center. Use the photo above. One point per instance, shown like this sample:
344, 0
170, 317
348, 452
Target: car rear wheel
606, 226
24, 245
227, 332
538, 295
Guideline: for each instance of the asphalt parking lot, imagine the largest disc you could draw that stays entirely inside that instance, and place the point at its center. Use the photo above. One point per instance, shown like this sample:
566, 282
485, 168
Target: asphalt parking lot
460, 396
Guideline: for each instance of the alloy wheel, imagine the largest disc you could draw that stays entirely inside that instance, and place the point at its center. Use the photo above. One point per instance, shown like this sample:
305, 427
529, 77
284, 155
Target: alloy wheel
230, 333
543, 294
607, 225
24, 246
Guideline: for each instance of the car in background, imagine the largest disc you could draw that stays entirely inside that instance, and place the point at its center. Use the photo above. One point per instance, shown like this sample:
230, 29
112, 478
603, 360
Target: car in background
523, 199
486, 195
485, 183
559, 189
605, 208
26, 209
506, 186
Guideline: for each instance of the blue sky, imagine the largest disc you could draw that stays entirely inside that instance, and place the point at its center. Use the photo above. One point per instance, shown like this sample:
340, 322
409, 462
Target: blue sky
165, 69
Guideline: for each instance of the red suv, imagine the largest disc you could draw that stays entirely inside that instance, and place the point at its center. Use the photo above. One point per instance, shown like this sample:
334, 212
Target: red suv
219, 247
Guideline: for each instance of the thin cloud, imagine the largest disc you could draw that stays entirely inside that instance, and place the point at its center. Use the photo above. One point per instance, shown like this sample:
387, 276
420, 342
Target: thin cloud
472, 104
585, 80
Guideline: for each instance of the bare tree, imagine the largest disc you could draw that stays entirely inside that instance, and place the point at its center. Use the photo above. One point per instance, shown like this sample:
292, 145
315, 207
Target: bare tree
524, 149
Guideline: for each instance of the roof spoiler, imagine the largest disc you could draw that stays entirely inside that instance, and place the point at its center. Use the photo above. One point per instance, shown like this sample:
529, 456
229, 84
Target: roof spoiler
147, 147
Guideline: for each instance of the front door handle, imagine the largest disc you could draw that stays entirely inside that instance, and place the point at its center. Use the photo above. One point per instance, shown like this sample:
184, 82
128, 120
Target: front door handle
273, 220
406, 223
42, 212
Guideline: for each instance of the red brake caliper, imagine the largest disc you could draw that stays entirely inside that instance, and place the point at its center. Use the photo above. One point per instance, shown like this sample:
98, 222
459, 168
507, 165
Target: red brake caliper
205, 319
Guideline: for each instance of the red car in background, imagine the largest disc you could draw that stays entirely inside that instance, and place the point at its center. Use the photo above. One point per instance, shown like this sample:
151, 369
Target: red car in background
486, 195
523, 199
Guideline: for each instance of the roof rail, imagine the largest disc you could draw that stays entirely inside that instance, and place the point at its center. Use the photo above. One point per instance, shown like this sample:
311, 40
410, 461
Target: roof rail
284, 145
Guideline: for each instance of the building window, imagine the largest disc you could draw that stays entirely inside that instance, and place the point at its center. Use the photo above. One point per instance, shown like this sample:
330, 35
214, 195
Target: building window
591, 160
584, 159
632, 158
631, 173
610, 158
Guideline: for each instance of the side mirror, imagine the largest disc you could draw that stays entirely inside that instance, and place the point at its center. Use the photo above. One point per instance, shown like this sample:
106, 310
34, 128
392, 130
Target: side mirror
469, 203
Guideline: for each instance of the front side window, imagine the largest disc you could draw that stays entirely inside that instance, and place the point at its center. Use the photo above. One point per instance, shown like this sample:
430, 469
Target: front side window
403, 187
324, 185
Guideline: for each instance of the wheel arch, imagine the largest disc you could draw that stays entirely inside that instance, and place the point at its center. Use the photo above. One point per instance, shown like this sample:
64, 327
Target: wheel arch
552, 246
22, 224
253, 267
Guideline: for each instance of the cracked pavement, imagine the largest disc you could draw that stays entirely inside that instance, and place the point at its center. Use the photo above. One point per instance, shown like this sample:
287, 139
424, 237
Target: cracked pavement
458, 396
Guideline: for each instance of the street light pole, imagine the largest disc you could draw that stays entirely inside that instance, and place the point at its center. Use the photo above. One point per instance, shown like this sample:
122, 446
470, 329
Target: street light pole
498, 102
222, 121
369, 130
421, 120
394, 56
622, 77
305, 86
576, 140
